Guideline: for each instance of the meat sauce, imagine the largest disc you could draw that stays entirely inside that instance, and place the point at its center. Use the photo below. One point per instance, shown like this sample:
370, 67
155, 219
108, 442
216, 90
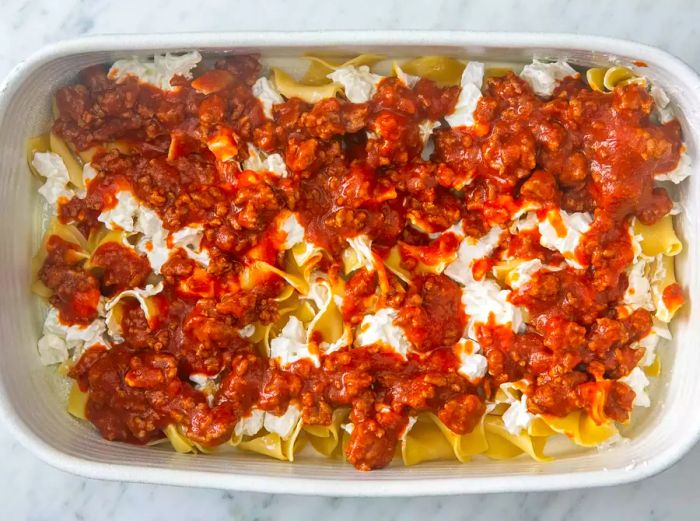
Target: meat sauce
354, 169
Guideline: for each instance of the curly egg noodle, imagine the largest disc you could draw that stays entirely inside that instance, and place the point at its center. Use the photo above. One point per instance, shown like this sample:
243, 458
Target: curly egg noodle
416, 260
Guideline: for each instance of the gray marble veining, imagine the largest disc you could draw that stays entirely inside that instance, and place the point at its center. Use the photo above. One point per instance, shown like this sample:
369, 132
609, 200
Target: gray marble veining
32, 490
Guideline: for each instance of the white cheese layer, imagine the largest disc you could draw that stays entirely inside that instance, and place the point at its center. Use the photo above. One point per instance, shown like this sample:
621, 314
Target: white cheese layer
284, 424
293, 230
638, 382
525, 222
379, 328
472, 364
133, 217
483, 300
407, 79
471, 250
662, 103
53, 169
251, 424
543, 78
159, 72
523, 272
638, 293
517, 417
259, 162
471, 82
247, 331
659, 331
291, 345
208, 385
361, 245
425, 130
59, 339
680, 173
189, 239
575, 224
268, 95
358, 83
52, 349
122, 215
153, 241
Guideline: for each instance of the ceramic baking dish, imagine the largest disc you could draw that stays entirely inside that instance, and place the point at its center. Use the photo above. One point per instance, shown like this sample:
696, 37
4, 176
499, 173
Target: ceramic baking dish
32, 398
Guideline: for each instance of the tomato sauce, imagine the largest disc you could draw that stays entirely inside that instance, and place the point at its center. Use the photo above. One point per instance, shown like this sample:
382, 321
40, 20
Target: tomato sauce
356, 169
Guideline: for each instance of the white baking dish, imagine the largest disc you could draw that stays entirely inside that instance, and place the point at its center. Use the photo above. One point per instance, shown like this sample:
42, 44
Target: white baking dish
32, 399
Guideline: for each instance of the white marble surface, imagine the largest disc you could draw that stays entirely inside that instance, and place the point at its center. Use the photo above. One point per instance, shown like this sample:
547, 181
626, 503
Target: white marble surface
32, 490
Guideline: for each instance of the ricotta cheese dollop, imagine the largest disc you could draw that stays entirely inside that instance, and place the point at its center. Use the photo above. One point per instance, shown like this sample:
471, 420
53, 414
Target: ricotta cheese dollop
471, 82
517, 417
472, 364
53, 169
543, 77
471, 250
291, 344
267, 94
358, 83
638, 381
259, 162
59, 339
158, 72
562, 231
379, 328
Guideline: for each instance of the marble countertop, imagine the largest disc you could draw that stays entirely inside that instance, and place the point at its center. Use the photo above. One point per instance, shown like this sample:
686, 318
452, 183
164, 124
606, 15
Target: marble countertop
33, 490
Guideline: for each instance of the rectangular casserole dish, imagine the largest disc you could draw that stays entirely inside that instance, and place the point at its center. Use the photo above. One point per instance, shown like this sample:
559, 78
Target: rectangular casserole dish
32, 397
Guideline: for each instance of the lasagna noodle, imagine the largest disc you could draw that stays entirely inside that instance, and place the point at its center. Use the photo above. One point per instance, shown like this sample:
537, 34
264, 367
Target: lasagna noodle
68, 233
37, 144
75, 169
664, 276
77, 401
273, 445
502, 444
425, 442
659, 238
326, 439
290, 88
320, 68
580, 428
602, 79
429, 438
181, 443
443, 70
